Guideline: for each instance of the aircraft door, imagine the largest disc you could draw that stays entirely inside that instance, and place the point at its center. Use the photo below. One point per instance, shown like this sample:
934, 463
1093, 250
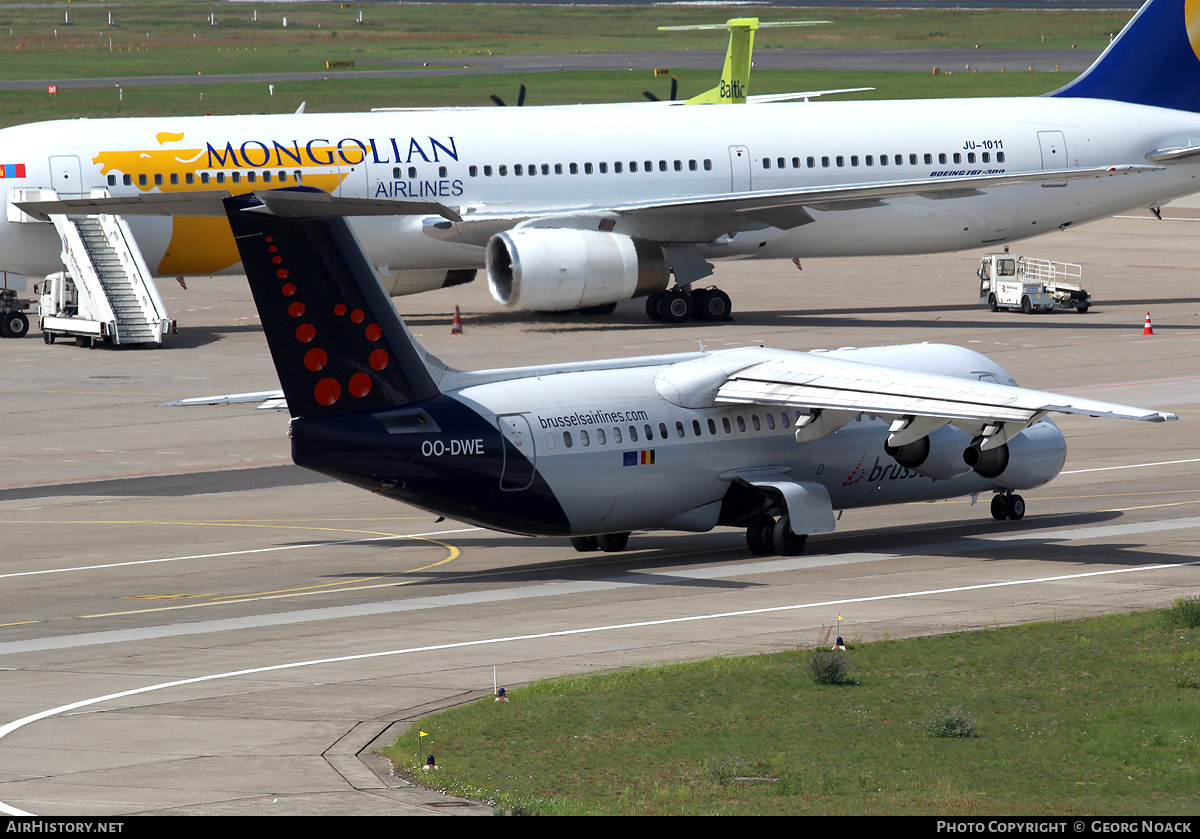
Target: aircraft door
739, 167
65, 175
1054, 149
517, 472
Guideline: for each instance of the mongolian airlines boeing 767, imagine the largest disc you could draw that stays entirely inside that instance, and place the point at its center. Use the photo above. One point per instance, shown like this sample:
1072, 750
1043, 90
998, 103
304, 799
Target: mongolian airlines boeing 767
769, 440
582, 206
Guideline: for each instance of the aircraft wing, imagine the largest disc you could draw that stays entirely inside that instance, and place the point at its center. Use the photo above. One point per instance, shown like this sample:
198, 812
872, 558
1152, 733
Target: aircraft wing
268, 399
916, 403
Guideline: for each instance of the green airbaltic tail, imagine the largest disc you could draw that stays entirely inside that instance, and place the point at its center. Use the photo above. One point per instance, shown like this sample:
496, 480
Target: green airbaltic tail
735, 77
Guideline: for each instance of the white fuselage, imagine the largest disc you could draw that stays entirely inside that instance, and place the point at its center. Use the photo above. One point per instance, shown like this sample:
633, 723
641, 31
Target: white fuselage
535, 162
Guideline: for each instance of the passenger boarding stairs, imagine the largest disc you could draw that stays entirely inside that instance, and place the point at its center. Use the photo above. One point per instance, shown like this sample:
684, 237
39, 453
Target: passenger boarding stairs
114, 287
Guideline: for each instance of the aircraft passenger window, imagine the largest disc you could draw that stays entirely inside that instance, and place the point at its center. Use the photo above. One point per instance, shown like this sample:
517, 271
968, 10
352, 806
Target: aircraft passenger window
811, 162
942, 158
633, 166
487, 171
633, 433
785, 419
517, 169
127, 180
236, 177
558, 168
900, 159
158, 180
250, 176
203, 177
649, 432
841, 161
396, 172
662, 430
299, 176
502, 170
441, 171
696, 427
725, 424
679, 432
574, 168
545, 168
883, 160
220, 177
141, 180
678, 165
473, 171
957, 157
567, 439
549, 440
712, 426
112, 180
754, 422
617, 167
986, 157
741, 423
795, 163
412, 171
616, 435
532, 168
266, 177
824, 162
603, 168
174, 179
766, 163
970, 157
707, 165
662, 165
999, 157
692, 167
928, 158
770, 418
649, 166
599, 436
587, 168
583, 437
854, 160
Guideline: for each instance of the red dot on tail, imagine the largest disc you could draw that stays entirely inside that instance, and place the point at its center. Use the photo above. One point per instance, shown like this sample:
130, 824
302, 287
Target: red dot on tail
378, 359
296, 309
339, 309
316, 359
357, 316
305, 332
327, 391
360, 385
282, 273
288, 289
373, 332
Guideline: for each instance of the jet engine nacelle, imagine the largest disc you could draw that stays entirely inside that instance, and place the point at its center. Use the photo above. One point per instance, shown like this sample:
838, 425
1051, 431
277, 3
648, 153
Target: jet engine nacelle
1030, 459
938, 455
562, 269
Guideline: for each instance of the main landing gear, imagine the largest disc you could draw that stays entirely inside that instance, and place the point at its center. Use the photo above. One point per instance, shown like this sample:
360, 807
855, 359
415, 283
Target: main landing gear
607, 542
1006, 505
766, 536
679, 304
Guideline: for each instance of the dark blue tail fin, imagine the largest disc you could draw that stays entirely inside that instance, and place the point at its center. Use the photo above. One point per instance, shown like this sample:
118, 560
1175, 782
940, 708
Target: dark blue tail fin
336, 340
1154, 61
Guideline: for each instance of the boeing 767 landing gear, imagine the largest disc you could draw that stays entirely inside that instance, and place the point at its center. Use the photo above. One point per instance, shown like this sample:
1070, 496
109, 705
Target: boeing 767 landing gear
1006, 505
679, 304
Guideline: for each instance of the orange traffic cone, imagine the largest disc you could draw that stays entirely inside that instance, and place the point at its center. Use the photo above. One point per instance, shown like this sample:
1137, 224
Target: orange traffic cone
1147, 329
456, 329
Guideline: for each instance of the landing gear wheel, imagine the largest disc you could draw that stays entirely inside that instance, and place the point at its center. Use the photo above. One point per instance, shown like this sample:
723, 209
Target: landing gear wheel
585, 544
992, 302
999, 508
613, 542
760, 535
652, 307
710, 304
1016, 507
787, 542
676, 306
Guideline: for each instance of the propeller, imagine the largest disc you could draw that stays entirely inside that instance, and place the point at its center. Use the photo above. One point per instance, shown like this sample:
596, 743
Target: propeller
502, 103
674, 91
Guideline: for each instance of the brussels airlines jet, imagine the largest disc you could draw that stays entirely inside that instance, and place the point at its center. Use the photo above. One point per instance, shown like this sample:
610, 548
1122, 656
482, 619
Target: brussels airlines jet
768, 440
570, 207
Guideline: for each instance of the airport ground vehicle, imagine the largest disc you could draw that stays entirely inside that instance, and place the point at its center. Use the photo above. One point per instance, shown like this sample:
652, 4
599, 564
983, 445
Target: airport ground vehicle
1029, 284
14, 323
